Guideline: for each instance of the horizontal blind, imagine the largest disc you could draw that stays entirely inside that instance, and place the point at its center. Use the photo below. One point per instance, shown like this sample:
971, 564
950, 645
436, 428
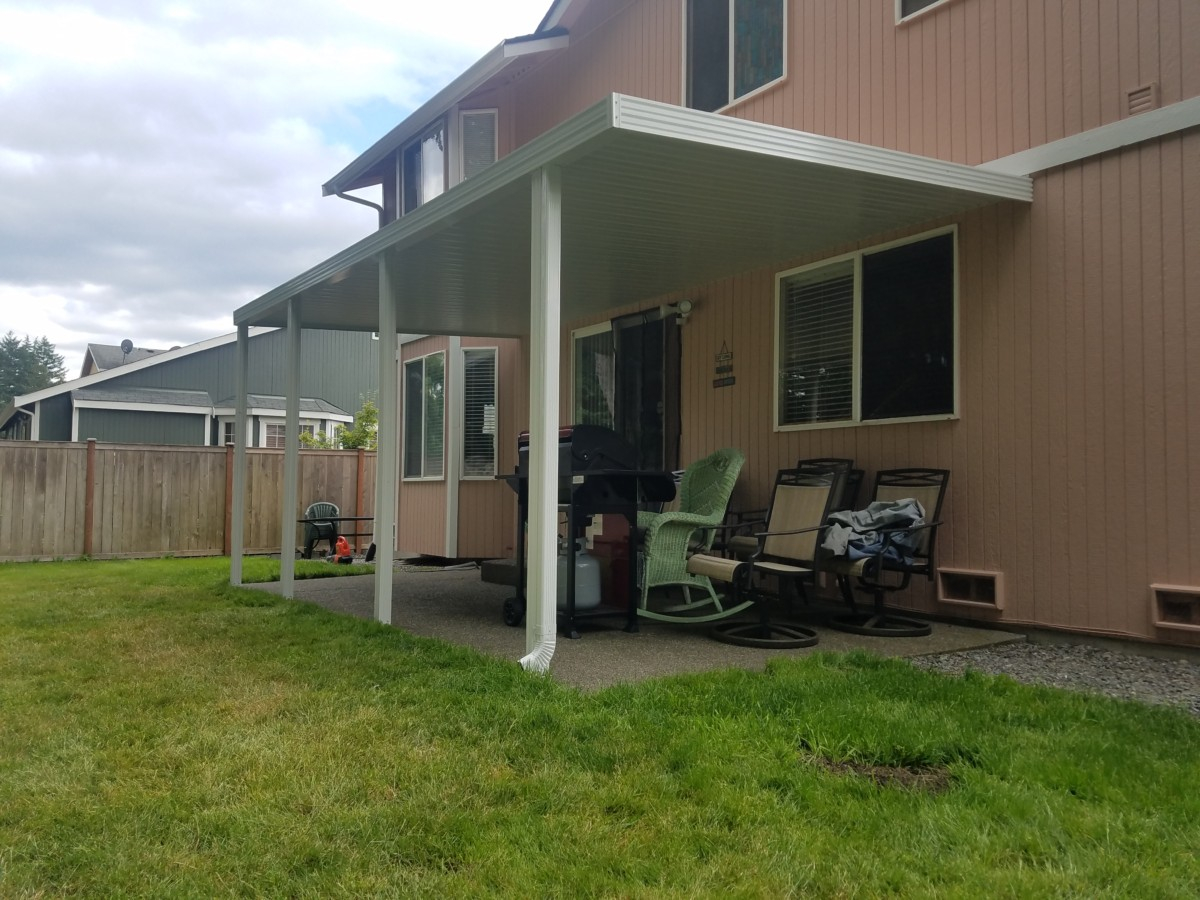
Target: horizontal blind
479, 412
478, 141
816, 352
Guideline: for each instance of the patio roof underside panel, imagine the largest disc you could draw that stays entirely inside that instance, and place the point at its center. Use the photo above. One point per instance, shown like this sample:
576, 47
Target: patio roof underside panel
671, 201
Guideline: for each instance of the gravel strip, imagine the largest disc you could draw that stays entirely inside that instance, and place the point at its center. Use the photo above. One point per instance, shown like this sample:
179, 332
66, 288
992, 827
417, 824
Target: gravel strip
1079, 667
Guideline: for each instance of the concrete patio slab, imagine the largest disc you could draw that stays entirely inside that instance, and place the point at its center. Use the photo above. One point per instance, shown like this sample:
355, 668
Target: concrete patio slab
456, 606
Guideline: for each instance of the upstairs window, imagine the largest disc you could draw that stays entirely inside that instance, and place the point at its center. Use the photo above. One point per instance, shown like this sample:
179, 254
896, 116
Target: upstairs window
425, 416
734, 47
869, 337
906, 8
423, 168
478, 130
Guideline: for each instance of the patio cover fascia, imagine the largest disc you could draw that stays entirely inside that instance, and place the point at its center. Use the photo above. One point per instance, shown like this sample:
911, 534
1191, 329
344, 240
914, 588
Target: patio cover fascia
628, 200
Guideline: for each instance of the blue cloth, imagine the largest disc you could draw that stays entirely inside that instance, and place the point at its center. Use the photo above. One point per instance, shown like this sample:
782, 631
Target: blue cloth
858, 534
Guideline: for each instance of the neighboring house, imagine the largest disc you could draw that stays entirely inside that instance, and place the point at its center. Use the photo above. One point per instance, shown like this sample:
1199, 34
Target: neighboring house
952, 233
102, 357
184, 396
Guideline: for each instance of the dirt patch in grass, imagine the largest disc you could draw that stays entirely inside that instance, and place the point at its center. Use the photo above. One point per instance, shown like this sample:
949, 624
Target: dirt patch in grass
932, 779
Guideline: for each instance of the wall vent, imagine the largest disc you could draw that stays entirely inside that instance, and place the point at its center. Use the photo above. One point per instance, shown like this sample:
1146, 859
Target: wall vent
1141, 99
1175, 606
969, 587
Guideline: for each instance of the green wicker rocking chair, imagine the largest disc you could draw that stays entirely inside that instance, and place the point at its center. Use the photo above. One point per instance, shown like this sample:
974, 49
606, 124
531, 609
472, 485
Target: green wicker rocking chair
671, 536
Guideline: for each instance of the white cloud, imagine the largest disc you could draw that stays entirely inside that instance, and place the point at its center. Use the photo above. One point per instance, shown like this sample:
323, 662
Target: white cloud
161, 162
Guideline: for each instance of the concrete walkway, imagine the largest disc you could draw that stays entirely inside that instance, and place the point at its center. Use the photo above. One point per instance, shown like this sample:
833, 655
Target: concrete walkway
456, 606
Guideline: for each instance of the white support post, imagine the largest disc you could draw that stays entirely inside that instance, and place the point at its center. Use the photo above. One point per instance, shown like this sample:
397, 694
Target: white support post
388, 447
541, 620
291, 454
454, 440
237, 538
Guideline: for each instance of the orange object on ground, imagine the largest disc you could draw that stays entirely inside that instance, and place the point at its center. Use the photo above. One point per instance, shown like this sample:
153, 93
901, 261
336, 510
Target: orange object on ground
341, 548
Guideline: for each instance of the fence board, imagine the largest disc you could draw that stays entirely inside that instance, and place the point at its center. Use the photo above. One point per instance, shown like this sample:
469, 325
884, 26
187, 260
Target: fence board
158, 500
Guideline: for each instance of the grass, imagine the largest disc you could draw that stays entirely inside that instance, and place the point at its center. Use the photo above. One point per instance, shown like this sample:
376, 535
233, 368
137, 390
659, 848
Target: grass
164, 734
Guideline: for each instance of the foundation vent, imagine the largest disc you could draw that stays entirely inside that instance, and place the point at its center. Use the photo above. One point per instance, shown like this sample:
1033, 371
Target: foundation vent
1141, 99
968, 587
1176, 606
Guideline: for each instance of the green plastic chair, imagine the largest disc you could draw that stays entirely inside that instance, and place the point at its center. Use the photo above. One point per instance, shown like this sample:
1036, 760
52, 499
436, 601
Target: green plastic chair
320, 531
670, 537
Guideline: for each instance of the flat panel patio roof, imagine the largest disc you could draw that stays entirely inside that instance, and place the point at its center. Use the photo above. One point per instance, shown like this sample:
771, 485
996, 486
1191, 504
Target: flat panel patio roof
655, 198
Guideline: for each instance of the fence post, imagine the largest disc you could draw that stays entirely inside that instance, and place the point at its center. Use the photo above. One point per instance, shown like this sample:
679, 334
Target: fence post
358, 492
228, 542
89, 496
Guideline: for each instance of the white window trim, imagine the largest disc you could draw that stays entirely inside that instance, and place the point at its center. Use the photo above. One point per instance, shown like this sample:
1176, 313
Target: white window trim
222, 421
586, 331
461, 402
762, 88
857, 257
403, 371
460, 166
264, 421
902, 19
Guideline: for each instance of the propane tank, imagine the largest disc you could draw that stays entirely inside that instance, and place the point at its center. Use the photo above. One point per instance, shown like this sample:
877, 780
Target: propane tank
587, 578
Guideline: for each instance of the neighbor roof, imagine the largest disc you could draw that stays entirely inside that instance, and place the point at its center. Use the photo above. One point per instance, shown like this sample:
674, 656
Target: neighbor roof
109, 356
152, 396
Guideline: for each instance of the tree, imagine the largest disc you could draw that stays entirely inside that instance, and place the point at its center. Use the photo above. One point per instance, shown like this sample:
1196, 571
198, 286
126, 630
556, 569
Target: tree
28, 365
363, 434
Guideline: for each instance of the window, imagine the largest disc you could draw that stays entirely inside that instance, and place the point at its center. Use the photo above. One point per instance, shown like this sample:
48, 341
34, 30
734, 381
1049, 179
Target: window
906, 8
594, 369
868, 337
734, 47
478, 131
479, 413
227, 433
275, 434
424, 416
423, 168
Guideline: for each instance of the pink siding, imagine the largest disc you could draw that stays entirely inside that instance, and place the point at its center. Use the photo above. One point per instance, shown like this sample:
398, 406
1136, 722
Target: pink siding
970, 81
1075, 457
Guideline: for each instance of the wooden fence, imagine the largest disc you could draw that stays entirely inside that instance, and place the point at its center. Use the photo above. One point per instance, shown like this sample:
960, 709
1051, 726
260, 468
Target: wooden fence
121, 500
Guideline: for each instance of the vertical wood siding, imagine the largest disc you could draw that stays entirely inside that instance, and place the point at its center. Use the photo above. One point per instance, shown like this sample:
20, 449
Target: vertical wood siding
421, 510
1076, 458
970, 81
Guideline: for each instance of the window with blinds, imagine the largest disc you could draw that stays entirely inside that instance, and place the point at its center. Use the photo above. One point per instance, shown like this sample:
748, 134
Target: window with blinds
478, 140
816, 352
425, 416
869, 337
479, 413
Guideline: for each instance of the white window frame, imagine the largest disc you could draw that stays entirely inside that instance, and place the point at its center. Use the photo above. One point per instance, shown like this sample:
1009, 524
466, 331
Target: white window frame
404, 417
461, 399
223, 421
901, 18
857, 257
309, 425
734, 101
460, 156
576, 335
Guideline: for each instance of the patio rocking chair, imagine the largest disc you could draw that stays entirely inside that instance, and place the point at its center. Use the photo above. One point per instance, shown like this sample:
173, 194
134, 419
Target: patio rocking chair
320, 531
787, 549
886, 570
704, 493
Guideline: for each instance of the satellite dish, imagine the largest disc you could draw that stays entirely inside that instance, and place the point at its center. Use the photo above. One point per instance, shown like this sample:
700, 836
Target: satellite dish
127, 346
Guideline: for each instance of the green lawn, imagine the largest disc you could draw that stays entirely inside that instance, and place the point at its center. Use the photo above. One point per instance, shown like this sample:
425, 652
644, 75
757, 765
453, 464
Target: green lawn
163, 734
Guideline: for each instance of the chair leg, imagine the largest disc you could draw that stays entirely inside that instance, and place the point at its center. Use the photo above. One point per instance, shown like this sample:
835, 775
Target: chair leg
879, 622
764, 633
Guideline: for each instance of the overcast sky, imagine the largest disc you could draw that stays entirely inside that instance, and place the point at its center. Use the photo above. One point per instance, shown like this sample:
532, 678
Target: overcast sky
161, 162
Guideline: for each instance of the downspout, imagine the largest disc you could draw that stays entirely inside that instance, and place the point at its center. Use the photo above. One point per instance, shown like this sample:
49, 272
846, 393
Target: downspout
360, 200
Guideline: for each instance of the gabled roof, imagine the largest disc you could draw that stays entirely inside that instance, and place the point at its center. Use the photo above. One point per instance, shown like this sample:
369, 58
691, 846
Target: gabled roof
109, 356
548, 36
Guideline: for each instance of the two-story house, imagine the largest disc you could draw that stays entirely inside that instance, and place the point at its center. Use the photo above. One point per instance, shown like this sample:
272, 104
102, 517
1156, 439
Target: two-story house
953, 233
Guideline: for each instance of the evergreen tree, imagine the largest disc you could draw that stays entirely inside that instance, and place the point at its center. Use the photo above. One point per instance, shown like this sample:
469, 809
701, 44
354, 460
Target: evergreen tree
28, 365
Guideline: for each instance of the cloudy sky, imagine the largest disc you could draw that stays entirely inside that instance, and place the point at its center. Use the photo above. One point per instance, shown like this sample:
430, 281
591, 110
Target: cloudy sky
161, 160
